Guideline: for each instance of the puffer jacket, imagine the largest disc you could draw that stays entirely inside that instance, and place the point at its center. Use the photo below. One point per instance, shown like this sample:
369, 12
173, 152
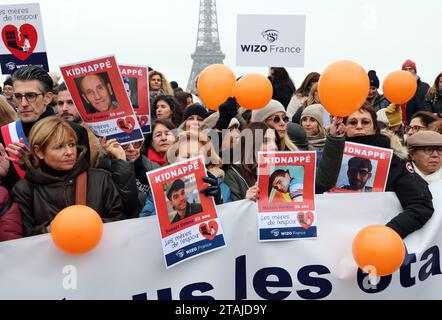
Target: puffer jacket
411, 190
41, 196
123, 176
11, 225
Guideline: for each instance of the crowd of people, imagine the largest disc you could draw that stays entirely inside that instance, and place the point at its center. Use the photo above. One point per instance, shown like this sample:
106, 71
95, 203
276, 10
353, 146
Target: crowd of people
55, 154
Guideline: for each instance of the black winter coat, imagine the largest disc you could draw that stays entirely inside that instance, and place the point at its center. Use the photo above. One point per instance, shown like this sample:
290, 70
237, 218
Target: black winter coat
411, 190
417, 102
123, 176
433, 104
41, 196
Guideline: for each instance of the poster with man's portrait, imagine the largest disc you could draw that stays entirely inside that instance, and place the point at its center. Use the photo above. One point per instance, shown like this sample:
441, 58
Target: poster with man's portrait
286, 204
188, 220
135, 79
98, 91
363, 169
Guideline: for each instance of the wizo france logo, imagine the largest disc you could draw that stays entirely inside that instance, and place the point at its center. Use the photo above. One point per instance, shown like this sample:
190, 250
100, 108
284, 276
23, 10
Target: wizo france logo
275, 232
271, 35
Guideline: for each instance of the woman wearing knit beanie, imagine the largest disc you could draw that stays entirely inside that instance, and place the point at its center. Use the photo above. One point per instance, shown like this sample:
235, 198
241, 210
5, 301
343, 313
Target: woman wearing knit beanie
274, 115
312, 120
194, 117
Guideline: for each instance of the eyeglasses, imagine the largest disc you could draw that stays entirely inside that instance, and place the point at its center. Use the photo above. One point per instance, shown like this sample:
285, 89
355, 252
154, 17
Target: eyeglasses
277, 119
355, 171
29, 96
414, 128
429, 150
135, 145
354, 122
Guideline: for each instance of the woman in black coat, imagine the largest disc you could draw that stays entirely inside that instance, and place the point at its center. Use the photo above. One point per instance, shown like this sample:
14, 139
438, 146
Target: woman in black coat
411, 190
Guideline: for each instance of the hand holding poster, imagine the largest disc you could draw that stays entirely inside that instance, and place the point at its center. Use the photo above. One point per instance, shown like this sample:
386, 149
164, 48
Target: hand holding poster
23, 38
98, 92
188, 220
364, 169
135, 83
286, 204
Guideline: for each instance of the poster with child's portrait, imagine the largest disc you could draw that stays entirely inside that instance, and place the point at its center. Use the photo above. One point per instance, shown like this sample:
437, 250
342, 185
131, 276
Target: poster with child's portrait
286, 204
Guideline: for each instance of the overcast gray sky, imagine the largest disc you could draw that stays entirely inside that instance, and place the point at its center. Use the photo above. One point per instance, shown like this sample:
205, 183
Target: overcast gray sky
377, 34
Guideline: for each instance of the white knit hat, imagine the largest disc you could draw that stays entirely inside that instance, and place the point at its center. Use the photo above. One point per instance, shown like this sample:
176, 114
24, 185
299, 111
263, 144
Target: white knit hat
382, 116
262, 114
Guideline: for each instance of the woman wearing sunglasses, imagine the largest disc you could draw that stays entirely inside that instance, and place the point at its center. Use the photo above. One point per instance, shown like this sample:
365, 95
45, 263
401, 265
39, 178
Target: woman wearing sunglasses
274, 116
122, 161
425, 148
410, 188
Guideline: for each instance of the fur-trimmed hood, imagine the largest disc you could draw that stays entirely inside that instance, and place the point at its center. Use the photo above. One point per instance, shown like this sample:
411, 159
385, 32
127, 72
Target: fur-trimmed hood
395, 143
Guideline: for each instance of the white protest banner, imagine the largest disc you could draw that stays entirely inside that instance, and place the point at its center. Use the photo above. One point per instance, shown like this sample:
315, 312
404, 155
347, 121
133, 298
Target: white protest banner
128, 262
187, 219
270, 40
97, 88
286, 205
23, 37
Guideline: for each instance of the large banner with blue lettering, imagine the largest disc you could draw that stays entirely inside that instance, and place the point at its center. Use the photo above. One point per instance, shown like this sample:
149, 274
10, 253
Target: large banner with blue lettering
128, 263
23, 42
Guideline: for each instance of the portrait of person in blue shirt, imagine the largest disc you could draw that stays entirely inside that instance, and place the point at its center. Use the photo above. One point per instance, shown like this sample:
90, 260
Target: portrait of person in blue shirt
290, 186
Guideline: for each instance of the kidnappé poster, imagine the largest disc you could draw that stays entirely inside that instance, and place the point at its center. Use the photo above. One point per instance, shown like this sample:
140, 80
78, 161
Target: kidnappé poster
97, 88
188, 220
135, 80
286, 203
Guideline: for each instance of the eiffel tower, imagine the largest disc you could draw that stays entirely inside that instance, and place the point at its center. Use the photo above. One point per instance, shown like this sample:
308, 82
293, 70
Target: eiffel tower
208, 49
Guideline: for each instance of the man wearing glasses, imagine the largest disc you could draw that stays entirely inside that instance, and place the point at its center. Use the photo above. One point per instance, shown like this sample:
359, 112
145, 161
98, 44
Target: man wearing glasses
358, 173
33, 88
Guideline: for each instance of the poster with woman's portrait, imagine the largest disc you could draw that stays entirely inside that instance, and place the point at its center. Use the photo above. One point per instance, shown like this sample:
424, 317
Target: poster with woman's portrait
98, 91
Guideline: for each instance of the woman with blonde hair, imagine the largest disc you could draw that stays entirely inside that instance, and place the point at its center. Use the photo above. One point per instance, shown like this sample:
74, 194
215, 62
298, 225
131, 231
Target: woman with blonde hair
58, 176
158, 85
312, 98
7, 113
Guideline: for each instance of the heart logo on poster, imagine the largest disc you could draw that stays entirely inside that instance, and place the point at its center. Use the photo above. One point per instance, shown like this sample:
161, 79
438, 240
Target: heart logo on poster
306, 219
127, 125
20, 42
143, 120
210, 230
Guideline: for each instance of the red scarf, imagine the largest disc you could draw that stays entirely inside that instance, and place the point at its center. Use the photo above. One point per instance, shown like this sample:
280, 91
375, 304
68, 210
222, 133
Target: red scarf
155, 157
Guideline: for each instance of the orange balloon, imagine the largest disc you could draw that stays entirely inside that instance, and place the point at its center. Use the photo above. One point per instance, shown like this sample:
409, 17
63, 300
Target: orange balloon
76, 229
379, 249
343, 88
253, 91
399, 87
215, 84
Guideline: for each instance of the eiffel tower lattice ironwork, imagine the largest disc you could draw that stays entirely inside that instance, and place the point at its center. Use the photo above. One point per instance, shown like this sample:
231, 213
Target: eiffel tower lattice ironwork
208, 49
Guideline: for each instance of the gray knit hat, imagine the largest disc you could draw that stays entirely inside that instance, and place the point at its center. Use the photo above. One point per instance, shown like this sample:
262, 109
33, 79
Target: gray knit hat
262, 114
298, 135
315, 111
